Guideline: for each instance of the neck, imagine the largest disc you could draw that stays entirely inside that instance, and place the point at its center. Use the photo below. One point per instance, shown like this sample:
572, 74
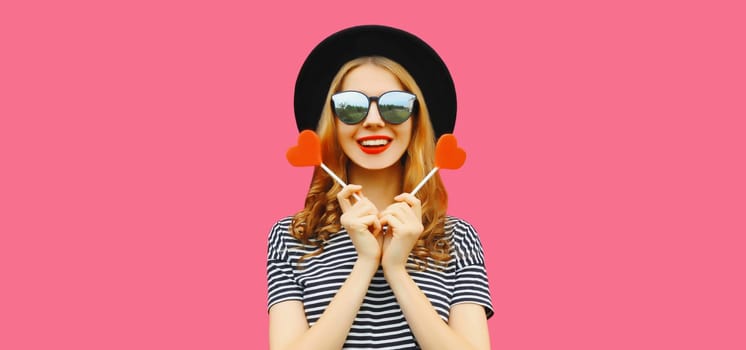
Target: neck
380, 186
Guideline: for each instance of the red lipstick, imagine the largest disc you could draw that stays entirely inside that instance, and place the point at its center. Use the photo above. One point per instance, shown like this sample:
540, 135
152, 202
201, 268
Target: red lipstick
374, 144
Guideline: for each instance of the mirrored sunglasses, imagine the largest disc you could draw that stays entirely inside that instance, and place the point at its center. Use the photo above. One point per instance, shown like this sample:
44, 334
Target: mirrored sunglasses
394, 107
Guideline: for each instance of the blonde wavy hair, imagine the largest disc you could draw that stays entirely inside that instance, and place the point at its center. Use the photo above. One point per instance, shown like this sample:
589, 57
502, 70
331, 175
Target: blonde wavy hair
319, 219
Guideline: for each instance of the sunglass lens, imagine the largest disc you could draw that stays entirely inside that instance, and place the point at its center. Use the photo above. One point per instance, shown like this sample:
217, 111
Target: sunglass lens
396, 106
350, 106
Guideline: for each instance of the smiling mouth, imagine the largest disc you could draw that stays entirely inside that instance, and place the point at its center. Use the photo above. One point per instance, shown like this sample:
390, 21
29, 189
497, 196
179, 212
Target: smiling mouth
374, 145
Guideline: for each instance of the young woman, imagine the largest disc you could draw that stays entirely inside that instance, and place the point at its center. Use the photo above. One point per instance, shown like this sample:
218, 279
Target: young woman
369, 265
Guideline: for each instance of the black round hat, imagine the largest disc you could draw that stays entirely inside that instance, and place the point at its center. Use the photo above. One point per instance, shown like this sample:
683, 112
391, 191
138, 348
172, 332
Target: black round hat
416, 56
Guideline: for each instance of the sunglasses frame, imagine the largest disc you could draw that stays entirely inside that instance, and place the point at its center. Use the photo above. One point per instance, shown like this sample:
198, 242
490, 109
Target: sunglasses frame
375, 99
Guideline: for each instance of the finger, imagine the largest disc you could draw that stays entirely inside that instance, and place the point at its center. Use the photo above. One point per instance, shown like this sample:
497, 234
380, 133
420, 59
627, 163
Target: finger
362, 224
343, 197
394, 207
357, 192
392, 221
369, 220
344, 204
387, 211
350, 189
408, 198
400, 210
365, 207
412, 201
377, 226
383, 220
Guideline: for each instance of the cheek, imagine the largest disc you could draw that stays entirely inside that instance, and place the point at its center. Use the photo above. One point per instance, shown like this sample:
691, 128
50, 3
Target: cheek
345, 136
343, 131
405, 131
339, 128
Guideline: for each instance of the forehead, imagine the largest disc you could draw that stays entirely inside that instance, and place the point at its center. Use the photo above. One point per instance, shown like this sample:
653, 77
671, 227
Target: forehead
371, 79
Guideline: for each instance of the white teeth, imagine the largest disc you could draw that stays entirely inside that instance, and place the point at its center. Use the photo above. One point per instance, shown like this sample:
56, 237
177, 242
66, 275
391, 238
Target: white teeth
374, 142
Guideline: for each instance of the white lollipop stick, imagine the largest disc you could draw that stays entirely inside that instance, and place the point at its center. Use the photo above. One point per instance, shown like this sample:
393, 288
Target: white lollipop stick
336, 178
422, 183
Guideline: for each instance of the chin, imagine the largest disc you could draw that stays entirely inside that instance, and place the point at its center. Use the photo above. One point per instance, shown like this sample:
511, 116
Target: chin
375, 164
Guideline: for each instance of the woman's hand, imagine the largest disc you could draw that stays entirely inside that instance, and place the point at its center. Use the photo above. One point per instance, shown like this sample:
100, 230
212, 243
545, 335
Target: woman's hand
362, 223
404, 220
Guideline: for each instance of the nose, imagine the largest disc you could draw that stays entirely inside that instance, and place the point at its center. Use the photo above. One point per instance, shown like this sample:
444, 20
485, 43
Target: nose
373, 118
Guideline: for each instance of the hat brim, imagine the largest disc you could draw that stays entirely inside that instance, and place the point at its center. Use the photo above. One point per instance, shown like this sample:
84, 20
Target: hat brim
416, 56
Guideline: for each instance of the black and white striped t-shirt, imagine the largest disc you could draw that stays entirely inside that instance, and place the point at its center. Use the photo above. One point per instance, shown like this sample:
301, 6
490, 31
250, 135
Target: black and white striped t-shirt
380, 323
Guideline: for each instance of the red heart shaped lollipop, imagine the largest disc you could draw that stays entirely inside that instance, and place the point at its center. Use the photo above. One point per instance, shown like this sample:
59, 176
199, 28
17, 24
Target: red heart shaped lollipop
308, 150
447, 156
447, 153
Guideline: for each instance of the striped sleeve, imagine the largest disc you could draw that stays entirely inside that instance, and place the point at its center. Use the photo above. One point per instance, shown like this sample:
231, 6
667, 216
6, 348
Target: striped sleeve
281, 282
471, 284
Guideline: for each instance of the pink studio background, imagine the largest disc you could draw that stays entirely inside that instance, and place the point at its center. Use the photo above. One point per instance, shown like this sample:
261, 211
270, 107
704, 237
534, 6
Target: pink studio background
142, 162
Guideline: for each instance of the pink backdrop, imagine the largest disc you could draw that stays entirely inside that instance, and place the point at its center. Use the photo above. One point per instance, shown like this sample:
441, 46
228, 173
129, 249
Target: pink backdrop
142, 162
